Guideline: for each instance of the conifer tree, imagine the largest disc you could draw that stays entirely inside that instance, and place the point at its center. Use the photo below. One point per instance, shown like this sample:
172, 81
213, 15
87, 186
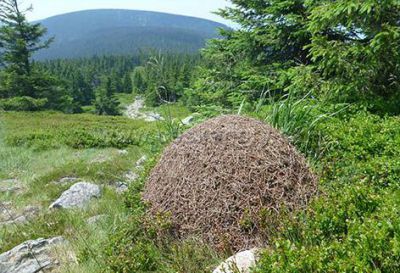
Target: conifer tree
106, 103
127, 83
19, 40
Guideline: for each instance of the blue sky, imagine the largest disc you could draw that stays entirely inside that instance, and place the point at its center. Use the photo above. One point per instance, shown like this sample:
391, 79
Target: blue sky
197, 8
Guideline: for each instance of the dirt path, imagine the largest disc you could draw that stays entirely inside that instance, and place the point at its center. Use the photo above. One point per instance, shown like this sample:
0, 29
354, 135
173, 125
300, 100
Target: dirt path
134, 111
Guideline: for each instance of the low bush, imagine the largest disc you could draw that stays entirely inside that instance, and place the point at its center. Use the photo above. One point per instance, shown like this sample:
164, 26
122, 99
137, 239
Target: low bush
22, 104
48, 130
354, 226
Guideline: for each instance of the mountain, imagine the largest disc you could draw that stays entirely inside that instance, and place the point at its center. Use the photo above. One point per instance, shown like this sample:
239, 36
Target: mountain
98, 32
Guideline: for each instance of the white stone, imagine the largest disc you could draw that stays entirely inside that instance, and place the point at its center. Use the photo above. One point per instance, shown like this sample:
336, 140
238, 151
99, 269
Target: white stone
77, 196
141, 161
122, 152
33, 256
242, 262
188, 120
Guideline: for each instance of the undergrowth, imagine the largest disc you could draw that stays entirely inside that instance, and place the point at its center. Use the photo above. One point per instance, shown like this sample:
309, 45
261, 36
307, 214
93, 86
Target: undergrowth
354, 225
46, 130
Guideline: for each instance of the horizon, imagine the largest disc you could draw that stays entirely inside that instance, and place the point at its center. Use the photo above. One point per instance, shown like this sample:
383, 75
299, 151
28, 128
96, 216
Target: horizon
43, 9
118, 9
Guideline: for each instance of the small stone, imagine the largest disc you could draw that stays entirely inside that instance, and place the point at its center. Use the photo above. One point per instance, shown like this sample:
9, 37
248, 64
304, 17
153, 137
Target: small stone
7, 211
151, 117
141, 161
121, 187
188, 120
77, 196
10, 186
34, 256
242, 262
9, 216
122, 152
131, 176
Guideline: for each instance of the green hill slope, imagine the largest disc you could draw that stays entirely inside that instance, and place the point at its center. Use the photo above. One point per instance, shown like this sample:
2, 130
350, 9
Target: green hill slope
98, 32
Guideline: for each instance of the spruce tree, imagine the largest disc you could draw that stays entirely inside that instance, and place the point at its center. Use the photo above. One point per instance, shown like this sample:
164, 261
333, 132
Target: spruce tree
127, 83
106, 103
19, 40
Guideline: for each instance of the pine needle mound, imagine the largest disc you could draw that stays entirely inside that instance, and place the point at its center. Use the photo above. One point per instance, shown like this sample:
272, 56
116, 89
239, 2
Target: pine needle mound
222, 181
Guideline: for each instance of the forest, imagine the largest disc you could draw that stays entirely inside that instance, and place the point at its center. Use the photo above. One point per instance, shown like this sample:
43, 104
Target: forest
326, 74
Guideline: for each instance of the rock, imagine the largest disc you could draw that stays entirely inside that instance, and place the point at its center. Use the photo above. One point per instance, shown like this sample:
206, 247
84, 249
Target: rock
122, 152
151, 117
131, 176
13, 218
6, 211
77, 196
96, 219
242, 262
141, 161
67, 180
121, 187
33, 256
10, 186
188, 120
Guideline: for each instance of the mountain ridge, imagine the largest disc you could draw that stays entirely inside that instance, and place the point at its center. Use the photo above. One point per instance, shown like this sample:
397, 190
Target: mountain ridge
119, 31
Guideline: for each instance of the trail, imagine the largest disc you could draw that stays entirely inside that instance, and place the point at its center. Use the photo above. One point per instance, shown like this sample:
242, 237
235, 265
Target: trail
134, 111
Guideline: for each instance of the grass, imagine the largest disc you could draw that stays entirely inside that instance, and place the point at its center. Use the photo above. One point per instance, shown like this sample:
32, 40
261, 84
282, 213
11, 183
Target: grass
353, 226
38, 149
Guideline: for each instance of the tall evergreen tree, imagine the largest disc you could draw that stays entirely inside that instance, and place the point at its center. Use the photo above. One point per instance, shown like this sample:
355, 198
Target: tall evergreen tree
106, 103
127, 83
19, 40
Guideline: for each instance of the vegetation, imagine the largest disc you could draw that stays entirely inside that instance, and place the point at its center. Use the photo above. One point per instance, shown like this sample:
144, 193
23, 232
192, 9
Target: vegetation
353, 226
164, 78
342, 51
19, 76
81, 77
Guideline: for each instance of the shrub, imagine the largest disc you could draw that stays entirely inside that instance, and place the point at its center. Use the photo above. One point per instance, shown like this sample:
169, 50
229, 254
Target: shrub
22, 104
48, 130
354, 226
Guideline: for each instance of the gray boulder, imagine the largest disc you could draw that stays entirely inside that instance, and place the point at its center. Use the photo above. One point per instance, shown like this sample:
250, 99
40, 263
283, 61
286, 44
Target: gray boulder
77, 196
32, 256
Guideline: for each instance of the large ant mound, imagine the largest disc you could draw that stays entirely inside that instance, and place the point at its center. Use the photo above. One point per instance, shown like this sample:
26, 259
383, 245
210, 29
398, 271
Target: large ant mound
225, 179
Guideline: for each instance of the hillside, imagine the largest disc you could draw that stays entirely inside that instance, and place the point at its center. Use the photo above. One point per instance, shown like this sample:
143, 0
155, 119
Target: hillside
98, 32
